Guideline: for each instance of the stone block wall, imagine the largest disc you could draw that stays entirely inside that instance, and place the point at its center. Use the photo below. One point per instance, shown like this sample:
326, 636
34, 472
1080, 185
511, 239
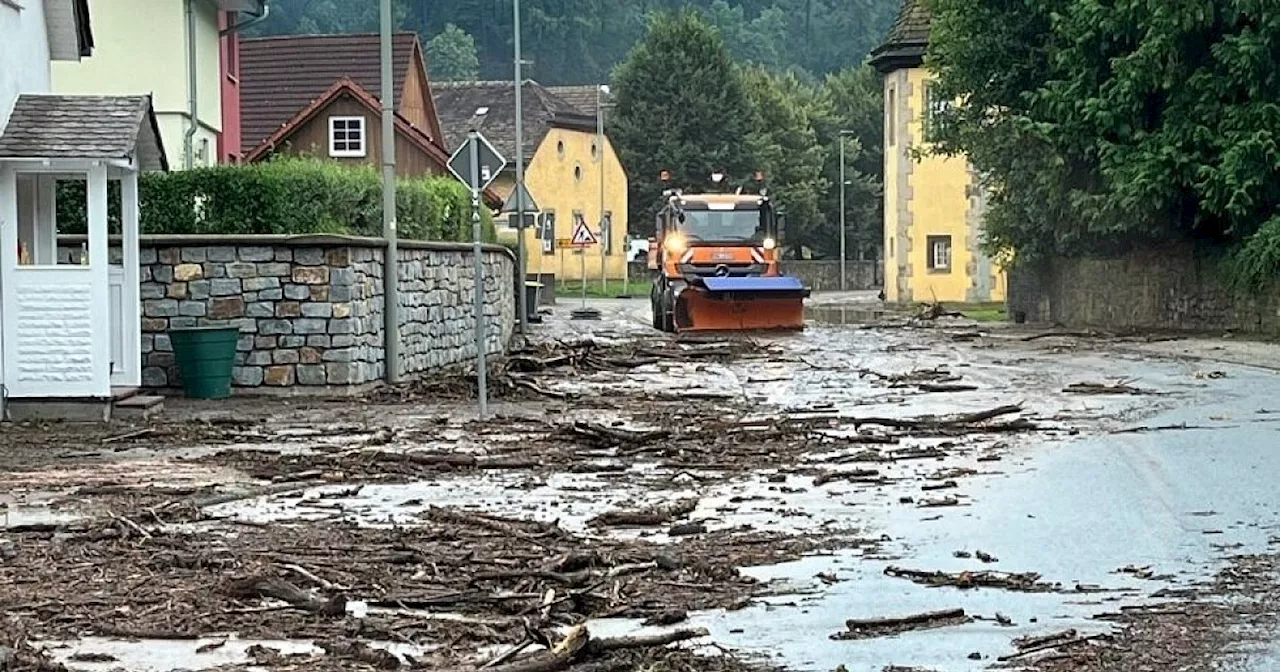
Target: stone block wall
310, 309
1170, 288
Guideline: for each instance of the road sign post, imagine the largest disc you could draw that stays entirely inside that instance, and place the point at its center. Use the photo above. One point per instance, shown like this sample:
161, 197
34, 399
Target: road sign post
476, 163
582, 239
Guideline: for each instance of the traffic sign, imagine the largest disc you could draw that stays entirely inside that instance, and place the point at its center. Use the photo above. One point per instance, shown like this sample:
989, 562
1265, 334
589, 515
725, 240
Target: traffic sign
530, 205
490, 162
582, 236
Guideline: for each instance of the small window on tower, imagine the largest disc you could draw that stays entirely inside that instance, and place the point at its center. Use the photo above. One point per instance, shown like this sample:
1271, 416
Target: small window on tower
939, 248
346, 137
891, 115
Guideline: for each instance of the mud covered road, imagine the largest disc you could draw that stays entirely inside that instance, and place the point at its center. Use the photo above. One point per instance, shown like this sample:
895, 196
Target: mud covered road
875, 493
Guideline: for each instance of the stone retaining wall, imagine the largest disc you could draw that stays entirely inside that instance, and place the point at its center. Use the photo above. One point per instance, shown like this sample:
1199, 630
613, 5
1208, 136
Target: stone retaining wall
1171, 288
310, 309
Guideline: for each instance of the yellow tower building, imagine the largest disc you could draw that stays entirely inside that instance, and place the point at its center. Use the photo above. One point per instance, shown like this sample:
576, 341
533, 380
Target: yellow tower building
933, 205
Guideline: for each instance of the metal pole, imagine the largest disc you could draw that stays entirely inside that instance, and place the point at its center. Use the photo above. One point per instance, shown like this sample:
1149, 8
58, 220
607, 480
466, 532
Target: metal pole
842, 231
391, 259
604, 242
482, 389
522, 255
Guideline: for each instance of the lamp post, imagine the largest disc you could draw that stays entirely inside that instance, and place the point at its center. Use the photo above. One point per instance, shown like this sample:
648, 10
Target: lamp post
843, 232
605, 236
391, 258
521, 253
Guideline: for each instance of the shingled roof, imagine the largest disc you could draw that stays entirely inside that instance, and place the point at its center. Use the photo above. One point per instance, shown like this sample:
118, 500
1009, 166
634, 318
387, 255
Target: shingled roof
908, 38
84, 127
281, 75
490, 107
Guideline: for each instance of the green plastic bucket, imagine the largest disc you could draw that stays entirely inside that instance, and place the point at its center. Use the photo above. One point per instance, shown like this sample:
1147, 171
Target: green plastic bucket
205, 357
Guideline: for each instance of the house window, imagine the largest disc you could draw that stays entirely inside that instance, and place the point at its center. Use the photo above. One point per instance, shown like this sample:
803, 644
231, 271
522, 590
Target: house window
560, 148
346, 136
939, 248
891, 115
577, 173
547, 232
935, 113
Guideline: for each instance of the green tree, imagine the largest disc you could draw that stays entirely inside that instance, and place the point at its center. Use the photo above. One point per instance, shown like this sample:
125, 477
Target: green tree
1099, 126
682, 107
581, 41
451, 55
851, 102
787, 149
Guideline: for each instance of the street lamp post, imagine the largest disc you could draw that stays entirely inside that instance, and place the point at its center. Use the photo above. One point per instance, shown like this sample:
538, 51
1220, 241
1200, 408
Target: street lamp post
843, 231
521, 253
391, 258
605, 236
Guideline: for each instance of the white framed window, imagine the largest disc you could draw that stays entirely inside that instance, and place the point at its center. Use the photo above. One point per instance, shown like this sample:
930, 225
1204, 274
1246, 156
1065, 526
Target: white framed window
346, 136
936, 109
939, 254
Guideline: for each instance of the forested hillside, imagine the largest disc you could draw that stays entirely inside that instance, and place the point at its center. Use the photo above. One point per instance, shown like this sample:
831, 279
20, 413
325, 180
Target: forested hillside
580, 41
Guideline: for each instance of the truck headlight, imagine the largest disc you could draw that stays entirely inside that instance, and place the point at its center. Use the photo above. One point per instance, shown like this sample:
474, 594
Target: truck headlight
770, 243
675, 243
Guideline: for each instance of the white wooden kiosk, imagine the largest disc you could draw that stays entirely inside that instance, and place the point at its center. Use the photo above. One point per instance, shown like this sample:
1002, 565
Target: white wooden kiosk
70, 325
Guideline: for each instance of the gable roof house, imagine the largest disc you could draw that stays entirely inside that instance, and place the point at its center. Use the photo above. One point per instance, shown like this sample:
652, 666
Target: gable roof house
319, 95
571, 178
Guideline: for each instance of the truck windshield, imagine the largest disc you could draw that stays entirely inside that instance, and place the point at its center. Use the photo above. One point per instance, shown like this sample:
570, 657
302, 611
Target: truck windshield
722, 225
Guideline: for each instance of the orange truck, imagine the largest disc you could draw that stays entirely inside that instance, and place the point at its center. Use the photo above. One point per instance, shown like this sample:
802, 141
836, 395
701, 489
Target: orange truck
715, 261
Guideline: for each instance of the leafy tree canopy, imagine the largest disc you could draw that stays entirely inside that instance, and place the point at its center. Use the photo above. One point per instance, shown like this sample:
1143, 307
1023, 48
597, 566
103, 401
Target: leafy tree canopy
580, 41
451, 55
1100, 125
686, 106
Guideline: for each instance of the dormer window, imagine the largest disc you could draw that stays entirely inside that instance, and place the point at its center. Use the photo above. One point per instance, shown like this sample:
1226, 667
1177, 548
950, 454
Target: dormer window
347, 137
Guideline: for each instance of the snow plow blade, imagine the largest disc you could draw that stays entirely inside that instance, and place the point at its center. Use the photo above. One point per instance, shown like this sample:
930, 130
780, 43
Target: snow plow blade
742, 304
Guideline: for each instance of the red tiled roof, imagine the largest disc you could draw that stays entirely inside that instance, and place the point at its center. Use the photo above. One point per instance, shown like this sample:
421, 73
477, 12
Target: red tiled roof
346, 86
280, 76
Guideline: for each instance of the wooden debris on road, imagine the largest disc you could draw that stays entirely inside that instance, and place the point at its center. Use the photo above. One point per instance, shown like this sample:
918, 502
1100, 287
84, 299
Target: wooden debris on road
857, 628
281, 589
1104, 388
578, 646
1028, 582
649, 517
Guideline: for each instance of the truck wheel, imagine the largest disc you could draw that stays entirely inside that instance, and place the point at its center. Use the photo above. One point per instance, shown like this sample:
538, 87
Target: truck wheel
656, 311
667, 304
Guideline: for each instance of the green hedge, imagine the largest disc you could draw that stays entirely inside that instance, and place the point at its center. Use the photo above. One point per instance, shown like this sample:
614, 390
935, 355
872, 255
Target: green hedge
286, 196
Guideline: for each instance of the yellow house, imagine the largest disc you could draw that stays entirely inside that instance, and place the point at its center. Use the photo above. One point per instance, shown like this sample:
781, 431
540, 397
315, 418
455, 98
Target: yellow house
571, 175
933, 205
170, 49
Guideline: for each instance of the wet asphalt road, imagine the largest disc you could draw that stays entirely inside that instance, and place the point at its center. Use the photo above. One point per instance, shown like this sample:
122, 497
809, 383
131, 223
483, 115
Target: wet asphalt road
1073, 504
1074, 508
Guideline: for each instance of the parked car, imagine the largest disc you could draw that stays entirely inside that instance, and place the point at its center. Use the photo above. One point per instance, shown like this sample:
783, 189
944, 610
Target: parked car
638, 249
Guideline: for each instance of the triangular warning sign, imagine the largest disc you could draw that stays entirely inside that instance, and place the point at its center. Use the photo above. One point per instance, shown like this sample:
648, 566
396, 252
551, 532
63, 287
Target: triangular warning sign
582, 236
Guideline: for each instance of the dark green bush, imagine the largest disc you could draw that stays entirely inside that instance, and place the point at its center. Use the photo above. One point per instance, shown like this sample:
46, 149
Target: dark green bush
286, 196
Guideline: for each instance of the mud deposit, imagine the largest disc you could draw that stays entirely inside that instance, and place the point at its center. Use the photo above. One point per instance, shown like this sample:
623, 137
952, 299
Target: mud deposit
914, 494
